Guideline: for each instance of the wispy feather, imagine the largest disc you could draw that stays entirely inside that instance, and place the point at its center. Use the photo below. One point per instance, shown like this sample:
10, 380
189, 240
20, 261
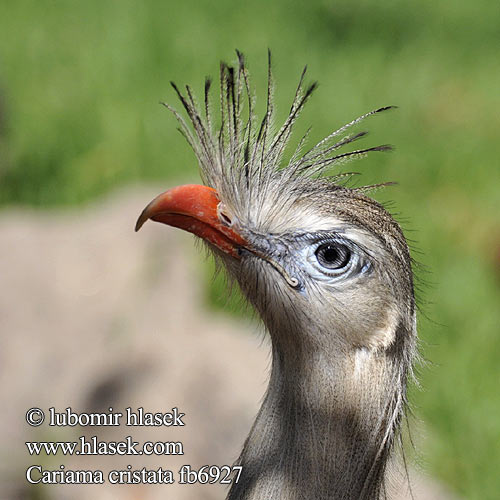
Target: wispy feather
246, 154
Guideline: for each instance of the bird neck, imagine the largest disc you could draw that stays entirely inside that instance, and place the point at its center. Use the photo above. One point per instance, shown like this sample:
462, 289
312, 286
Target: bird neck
325, 429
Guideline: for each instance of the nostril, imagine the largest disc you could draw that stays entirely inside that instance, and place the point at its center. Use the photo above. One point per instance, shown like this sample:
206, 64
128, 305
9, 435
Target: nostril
225, 218
223, 215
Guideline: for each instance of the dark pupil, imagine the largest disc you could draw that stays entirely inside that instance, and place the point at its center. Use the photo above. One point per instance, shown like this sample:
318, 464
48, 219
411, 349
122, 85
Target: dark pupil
333, 256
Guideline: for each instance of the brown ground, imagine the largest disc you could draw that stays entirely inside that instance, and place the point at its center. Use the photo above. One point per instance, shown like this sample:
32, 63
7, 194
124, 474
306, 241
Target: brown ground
93, 315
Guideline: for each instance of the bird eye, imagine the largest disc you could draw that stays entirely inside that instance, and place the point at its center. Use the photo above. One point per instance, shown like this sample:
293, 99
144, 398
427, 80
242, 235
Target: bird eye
333, 255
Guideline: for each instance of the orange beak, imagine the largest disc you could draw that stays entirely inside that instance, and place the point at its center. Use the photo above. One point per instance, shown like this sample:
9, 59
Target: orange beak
194, 209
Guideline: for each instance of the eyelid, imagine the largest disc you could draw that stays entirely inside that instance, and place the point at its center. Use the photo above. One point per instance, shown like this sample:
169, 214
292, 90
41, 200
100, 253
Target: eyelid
336, 238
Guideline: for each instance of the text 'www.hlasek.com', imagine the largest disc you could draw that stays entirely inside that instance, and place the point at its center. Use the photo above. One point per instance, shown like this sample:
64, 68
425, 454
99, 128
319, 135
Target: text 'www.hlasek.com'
92, 446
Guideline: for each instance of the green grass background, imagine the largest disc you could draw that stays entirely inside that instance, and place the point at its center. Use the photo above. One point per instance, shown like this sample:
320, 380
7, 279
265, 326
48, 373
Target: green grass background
80, 83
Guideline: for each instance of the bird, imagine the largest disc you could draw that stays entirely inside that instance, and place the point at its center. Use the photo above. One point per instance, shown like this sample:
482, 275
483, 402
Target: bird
328, 270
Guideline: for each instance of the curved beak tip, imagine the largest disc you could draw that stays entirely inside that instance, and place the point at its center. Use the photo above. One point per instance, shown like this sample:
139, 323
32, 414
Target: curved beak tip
141, 220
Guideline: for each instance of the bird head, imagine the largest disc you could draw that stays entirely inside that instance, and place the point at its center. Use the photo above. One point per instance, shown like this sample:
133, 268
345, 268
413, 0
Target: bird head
323, 264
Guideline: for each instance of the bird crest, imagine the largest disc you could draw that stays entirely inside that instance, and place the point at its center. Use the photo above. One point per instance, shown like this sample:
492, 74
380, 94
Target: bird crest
243, 158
